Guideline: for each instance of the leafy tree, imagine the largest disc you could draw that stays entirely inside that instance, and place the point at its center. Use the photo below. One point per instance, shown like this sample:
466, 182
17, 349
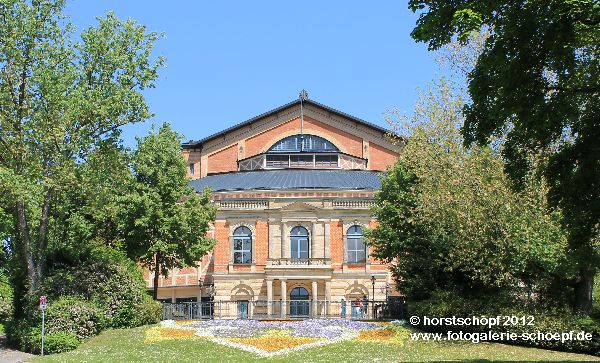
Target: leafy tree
164, 220
536, 82
450, 222
59, 98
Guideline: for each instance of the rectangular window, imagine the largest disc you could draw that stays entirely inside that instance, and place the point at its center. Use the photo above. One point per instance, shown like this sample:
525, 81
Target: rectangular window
242, 250
277, 161
192, 169
301, 160
326, 161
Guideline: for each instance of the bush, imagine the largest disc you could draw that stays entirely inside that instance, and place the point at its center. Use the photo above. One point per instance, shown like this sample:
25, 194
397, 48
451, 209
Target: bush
107, 277
79, 317
446, 304
68, 321
6, 296
60, 341
150, 312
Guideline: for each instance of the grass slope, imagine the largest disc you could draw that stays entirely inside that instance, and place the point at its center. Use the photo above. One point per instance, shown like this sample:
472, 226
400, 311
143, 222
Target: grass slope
128, 345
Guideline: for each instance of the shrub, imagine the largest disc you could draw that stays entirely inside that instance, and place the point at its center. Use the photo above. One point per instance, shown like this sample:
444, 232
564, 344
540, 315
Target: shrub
68, 321
107, 277
150, 312
79, 317
6, 296
60, 341
445, 304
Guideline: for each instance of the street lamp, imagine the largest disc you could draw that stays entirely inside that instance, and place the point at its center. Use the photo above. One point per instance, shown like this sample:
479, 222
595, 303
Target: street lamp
373, 283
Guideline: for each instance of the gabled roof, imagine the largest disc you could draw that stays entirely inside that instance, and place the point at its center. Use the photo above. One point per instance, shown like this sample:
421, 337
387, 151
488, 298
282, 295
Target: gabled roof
197, 143
290, 179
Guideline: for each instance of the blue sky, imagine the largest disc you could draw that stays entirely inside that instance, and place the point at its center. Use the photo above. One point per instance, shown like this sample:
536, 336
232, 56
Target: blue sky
228, 61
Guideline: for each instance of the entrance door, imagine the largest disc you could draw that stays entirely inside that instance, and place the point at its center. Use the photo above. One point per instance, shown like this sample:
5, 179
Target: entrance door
242, 309
299, 304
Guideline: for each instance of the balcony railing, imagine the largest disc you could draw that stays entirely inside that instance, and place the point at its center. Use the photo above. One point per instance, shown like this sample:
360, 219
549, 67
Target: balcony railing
299, 262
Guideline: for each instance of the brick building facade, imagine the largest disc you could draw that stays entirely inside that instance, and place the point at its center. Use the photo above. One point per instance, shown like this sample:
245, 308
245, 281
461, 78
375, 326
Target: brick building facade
293, 188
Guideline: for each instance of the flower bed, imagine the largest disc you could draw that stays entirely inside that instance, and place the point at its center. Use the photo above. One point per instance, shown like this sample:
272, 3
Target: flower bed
269, 338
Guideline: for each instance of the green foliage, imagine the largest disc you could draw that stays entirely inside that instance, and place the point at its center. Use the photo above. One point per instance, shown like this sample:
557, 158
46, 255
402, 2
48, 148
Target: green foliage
74, 315
59, 342
61, 98
6, 298
536, 83
164, 220
107, 277
449, 221
447, 304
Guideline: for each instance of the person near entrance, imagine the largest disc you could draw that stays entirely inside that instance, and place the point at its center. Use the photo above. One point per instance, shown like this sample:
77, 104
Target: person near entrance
365, 306
343, 304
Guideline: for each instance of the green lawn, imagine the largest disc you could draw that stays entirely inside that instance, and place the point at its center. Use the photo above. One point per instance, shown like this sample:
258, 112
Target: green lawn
128, 346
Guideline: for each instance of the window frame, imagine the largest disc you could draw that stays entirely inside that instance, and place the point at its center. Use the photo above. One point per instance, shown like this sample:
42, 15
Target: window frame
242, 250
297, 239
355, 237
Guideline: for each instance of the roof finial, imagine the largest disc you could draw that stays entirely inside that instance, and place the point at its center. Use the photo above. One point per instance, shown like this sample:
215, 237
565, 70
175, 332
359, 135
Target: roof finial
303, 95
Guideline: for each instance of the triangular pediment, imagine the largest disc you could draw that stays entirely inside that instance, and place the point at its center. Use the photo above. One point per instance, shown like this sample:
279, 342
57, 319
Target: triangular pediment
299, 206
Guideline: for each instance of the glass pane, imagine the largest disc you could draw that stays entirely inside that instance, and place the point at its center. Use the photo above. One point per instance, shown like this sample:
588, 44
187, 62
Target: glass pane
247, 245
360, 257
360, 244
238, 257
246, 257
237, 244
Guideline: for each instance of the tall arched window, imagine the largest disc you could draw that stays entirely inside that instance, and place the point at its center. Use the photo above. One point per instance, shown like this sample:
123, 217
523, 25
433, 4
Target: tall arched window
355, 245
242, 245
299, 242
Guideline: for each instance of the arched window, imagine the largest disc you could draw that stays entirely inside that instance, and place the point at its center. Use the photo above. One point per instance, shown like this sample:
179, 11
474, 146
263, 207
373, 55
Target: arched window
242, 245
355, 245
299, 242
298, 143
299, 293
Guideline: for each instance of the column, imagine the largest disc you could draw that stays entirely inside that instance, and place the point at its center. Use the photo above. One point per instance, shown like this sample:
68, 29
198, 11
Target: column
283, 295
285, 246
327, 297
269, 297
313, 242
315, 297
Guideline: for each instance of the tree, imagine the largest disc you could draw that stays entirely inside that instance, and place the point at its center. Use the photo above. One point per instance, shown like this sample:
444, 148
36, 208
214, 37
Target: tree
59, 98
164, 220
449, 220
536, 83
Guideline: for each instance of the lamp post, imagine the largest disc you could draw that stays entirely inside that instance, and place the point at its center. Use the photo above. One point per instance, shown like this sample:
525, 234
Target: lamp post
373, 298
373, 283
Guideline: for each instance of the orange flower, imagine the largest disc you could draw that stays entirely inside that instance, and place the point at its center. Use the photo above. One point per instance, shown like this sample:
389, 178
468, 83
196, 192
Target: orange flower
272, 344
375, 335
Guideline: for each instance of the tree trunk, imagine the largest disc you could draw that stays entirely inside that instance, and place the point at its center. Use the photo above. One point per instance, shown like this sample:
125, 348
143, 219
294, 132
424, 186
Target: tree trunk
43, 233
583, 291
24, 240
156, 275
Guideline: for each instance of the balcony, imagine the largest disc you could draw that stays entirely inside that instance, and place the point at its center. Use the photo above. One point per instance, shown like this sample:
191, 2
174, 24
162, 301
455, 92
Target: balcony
299, 263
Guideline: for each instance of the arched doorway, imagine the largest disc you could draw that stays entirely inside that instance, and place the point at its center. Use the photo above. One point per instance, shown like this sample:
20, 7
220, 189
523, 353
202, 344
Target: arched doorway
299, 304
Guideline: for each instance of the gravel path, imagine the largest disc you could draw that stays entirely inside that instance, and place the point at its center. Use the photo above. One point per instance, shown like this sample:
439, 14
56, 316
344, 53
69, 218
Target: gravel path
8, 355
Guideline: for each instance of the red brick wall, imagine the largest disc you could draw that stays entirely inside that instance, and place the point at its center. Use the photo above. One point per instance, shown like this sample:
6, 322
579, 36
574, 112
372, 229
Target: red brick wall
380, 158
261, 244
350, 143
223, 161
336, 245
221, 250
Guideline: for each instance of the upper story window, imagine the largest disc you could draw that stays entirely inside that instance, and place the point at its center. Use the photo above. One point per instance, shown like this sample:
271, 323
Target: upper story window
355, 245
308, 143
192, 170
299, 243
242, 245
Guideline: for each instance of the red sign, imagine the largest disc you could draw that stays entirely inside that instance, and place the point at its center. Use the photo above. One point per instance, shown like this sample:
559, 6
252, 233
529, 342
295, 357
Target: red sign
43, 301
